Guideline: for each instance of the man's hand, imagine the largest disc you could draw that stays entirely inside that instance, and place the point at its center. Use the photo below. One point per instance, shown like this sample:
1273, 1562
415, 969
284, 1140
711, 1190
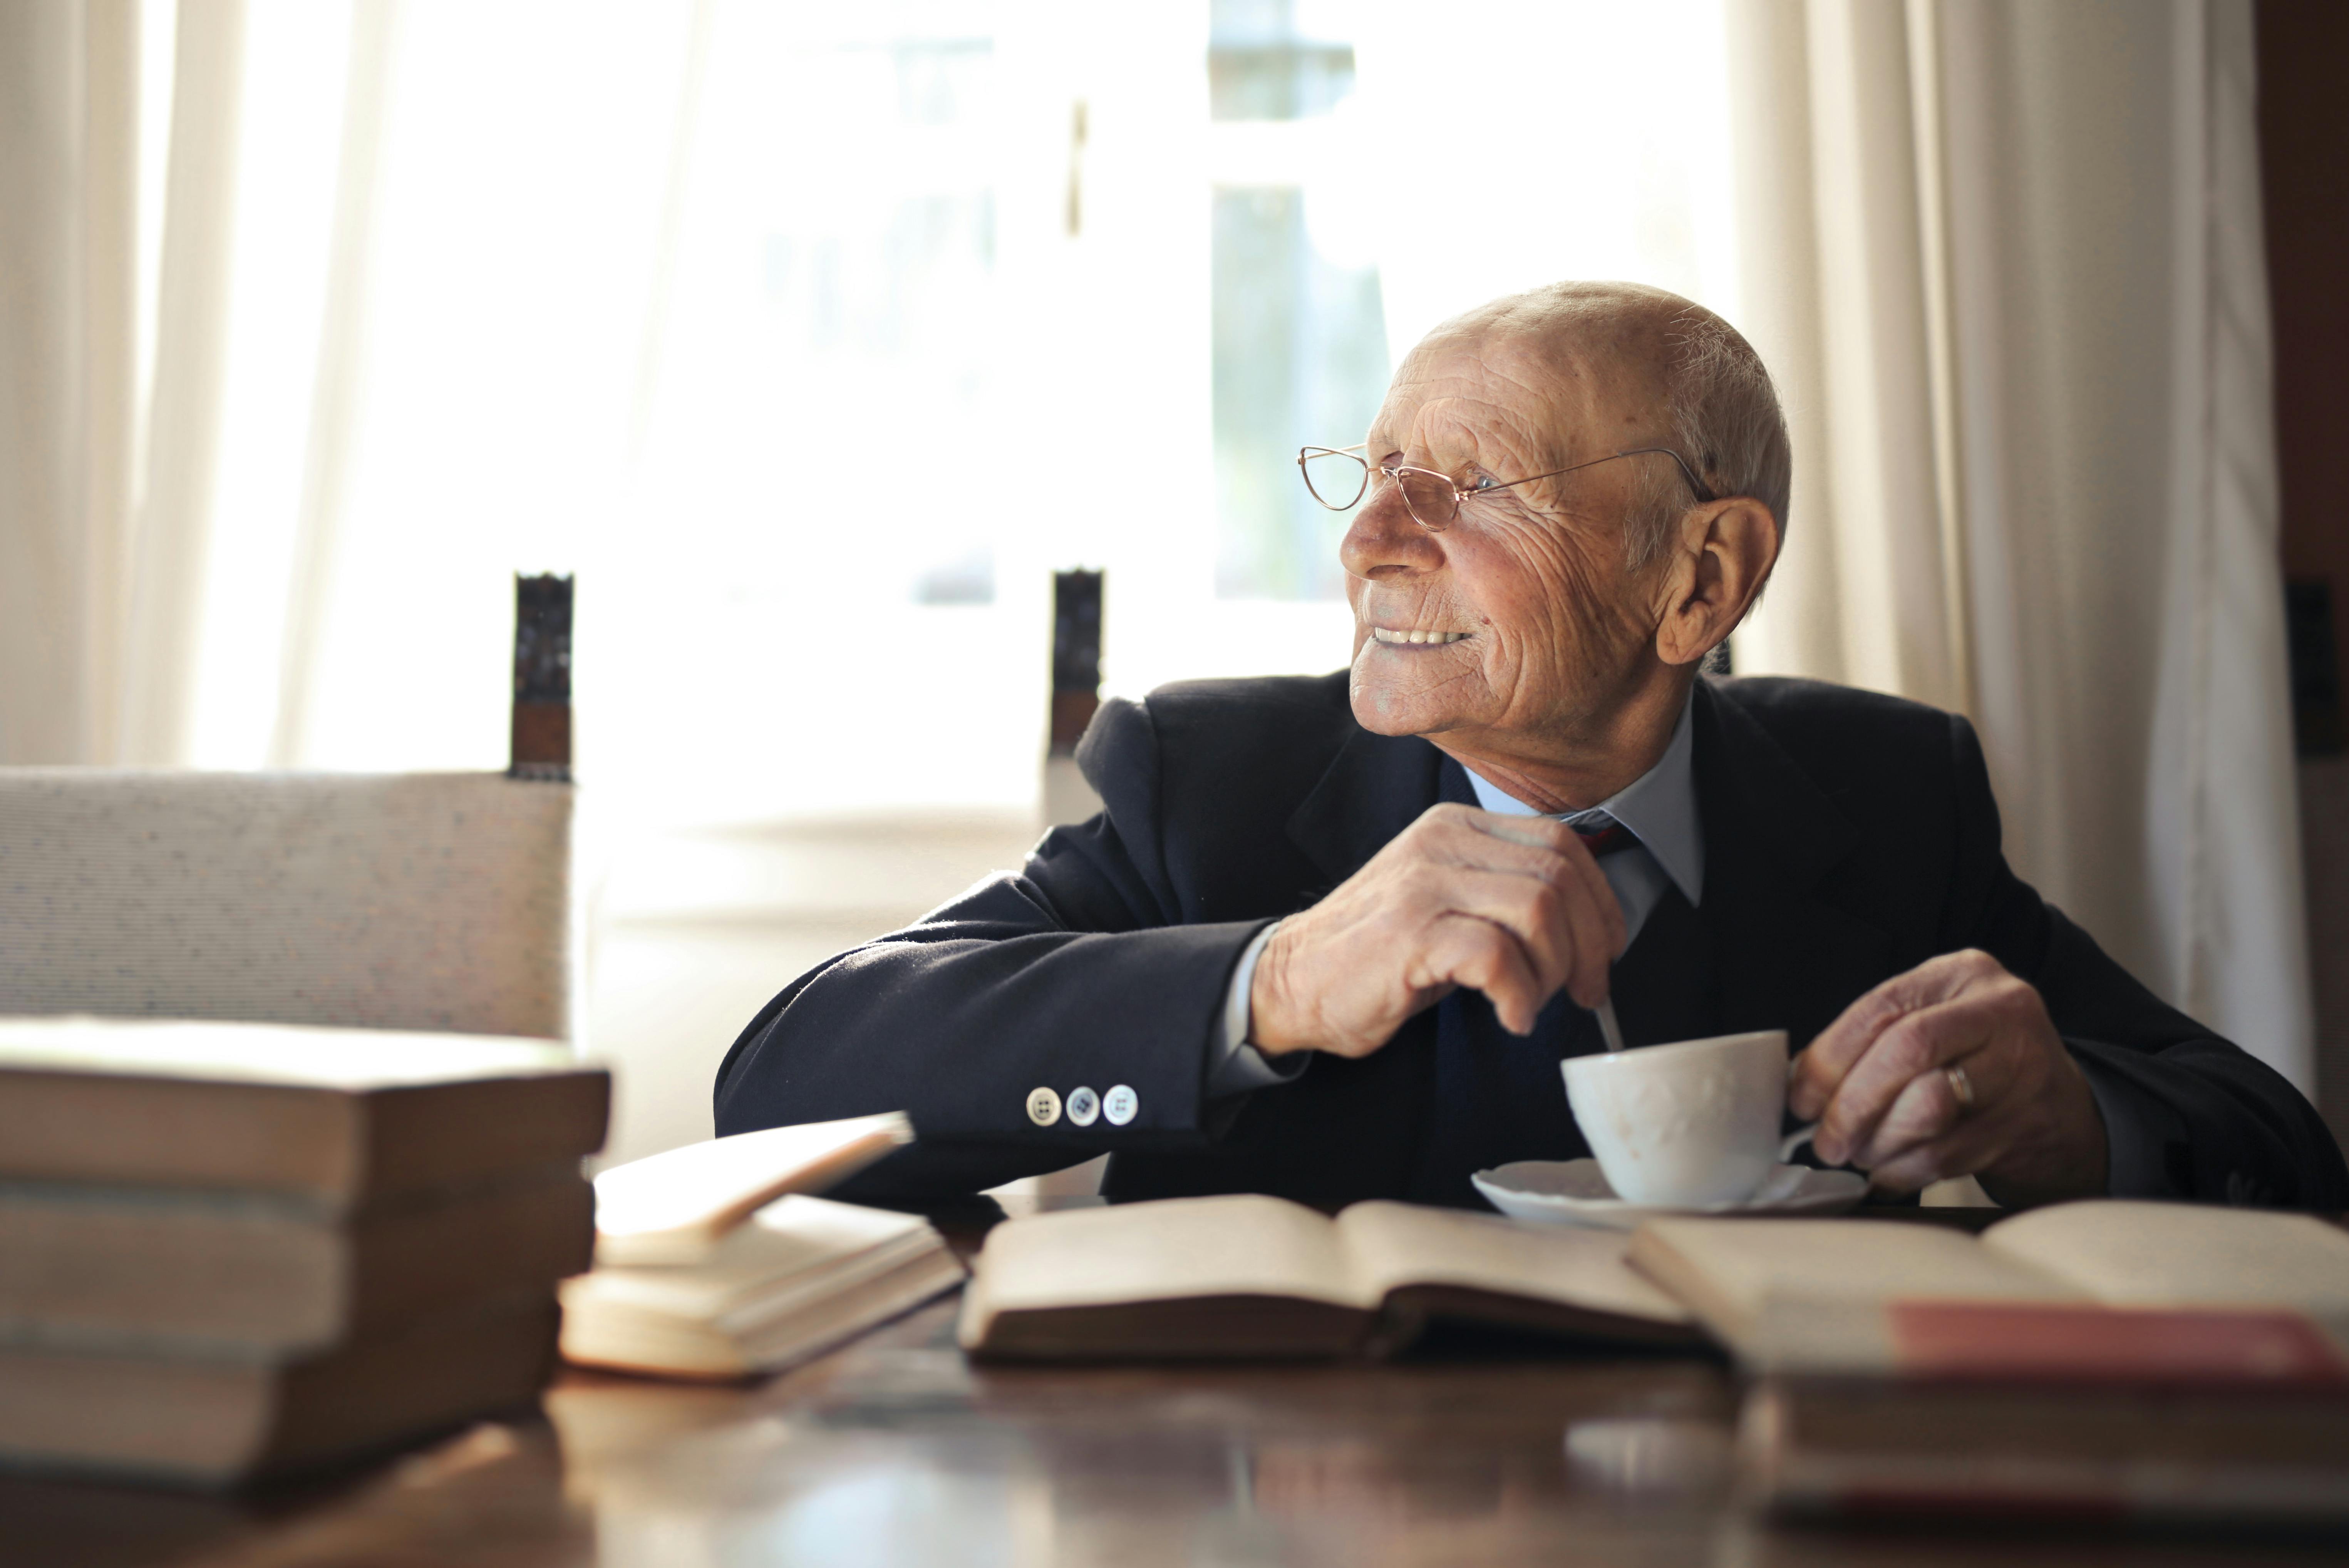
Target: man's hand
1511, 907
1880, 1080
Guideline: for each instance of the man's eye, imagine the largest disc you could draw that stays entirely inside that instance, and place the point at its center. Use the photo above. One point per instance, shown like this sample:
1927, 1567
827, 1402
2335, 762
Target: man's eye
1483, 481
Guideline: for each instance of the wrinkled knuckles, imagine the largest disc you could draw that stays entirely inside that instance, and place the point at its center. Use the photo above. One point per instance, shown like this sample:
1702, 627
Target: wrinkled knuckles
2016, 1000
1907, 1050
1560, 837
1974, 964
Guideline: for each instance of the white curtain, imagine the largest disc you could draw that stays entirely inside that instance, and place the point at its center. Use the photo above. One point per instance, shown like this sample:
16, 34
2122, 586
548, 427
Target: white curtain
68, 193
2005, 260
104, 493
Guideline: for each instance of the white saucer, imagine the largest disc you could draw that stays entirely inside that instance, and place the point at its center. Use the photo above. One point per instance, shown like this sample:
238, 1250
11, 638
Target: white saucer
1575, 1193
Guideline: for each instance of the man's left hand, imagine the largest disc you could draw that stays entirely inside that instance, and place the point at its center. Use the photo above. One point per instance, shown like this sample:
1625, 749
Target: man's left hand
1953, 1069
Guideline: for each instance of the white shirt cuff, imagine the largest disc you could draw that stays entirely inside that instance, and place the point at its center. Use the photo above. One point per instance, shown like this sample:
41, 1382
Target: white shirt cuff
1233, 1065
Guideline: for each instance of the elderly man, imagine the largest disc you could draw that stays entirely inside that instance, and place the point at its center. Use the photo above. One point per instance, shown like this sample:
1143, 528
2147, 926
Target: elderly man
1331, 938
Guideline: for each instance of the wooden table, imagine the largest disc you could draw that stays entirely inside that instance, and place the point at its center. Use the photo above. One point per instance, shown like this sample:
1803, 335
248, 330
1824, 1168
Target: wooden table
896, 1450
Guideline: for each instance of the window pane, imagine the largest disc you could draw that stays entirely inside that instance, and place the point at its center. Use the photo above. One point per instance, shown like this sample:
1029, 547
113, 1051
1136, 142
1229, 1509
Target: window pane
1300, 356
1262, 64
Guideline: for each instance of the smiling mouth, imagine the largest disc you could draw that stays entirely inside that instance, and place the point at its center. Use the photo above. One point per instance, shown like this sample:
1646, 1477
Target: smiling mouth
1414, 639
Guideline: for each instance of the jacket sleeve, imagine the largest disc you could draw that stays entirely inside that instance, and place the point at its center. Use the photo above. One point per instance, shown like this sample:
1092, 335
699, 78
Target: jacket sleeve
2187, 1114
1073, 972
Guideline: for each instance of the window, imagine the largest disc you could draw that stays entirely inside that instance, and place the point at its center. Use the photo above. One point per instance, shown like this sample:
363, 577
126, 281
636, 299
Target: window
1300, 333
816, 340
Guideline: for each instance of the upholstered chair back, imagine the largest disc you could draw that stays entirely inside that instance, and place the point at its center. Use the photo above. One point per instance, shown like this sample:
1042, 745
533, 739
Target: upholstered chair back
420, 900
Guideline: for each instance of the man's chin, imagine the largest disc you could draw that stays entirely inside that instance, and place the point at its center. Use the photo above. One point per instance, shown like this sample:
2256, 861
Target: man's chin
1413, 691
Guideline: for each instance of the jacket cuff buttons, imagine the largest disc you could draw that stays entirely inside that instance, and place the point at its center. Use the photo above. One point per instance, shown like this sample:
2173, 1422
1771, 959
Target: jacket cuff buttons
1084, 1107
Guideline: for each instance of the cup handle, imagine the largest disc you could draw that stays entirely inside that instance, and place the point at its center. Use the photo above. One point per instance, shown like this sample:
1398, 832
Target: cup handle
1794, 1140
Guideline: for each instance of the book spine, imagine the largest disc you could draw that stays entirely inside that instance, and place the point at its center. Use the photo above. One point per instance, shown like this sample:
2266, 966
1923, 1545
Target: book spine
2136, 1347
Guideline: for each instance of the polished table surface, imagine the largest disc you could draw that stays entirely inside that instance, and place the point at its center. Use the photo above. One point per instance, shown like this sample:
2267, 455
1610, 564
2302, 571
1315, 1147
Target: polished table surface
896, 1449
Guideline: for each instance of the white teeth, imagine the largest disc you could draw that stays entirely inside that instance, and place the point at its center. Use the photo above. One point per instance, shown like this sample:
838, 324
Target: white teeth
1384, 635
1419, 636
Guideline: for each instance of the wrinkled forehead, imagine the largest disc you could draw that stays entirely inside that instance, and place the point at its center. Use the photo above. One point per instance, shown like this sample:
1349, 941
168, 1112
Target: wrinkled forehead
1552, 391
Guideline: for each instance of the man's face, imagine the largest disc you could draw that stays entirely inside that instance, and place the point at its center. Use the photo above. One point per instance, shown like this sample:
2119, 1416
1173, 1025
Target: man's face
1546, 625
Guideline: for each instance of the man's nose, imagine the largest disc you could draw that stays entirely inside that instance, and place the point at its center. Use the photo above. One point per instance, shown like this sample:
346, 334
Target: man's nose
1385, 541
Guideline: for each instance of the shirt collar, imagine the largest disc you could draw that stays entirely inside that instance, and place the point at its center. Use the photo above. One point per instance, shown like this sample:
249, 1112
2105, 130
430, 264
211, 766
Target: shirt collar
1658, 807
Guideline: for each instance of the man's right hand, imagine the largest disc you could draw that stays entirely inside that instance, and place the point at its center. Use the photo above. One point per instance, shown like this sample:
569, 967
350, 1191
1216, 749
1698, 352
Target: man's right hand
1515, 907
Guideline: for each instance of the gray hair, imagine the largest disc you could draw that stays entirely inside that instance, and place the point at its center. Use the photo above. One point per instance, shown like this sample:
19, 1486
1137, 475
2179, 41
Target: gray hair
1724, 419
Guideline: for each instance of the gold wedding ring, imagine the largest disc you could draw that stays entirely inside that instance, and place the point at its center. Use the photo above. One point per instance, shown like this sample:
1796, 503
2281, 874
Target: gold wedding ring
1961, 1086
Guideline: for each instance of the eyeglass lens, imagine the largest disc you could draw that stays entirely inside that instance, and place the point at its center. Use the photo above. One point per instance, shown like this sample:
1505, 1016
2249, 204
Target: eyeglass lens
1433, 503
1336, 479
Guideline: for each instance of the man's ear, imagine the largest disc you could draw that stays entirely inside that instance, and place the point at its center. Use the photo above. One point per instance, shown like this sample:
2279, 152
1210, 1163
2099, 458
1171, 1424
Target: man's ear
1722, 554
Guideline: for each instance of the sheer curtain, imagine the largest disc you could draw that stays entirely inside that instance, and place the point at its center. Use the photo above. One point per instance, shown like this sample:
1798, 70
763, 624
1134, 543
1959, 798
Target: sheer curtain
2006, 261
109, 370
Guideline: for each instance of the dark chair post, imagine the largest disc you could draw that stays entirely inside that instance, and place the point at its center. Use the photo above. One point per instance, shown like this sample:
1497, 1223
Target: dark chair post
1076, 693
1076, 657
542, 677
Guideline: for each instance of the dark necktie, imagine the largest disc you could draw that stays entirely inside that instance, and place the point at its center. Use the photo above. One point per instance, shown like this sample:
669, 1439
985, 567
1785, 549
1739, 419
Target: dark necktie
1602, 834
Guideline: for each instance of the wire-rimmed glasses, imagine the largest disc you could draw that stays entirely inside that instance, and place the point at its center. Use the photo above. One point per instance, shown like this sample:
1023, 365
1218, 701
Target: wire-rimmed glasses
1337, 477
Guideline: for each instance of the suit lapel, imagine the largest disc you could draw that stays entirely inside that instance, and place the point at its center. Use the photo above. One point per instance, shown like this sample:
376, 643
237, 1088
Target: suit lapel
1375, 788
1789, 958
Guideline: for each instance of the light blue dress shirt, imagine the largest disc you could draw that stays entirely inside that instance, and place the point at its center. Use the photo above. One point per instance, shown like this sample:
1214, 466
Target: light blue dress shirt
1658, 810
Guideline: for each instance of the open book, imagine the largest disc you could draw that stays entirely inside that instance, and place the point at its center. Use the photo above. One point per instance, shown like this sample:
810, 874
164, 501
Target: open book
2099, 1291
712, 1262
802, 1276
1257, 1276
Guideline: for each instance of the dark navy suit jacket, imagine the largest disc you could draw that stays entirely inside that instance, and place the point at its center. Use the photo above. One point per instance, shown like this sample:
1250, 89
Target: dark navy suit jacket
1849, 837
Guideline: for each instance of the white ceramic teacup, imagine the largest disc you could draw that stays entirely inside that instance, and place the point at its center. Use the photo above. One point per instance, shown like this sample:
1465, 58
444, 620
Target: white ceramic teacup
1691, 1123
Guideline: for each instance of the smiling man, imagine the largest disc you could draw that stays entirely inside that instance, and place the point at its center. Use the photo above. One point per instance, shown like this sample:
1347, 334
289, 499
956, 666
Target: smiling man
1331, 938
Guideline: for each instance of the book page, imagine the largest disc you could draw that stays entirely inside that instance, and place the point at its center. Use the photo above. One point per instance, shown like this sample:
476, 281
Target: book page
1819, 1294
1173, 1250
674, 1207
795, 1240
295, 1056
2187, 1254
1394, 1244
1750, 1263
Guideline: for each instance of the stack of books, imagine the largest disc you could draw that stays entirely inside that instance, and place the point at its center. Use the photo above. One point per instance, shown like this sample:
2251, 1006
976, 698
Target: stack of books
230, 1251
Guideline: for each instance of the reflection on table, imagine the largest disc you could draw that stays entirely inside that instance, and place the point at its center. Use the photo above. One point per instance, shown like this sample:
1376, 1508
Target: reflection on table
896, 1450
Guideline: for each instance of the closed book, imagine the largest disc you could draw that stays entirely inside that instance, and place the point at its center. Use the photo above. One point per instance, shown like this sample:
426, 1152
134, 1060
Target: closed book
217, 1421
1254, 1276
340, 1116
802, 1275
273, 1276
2102, 1292
1878, 1448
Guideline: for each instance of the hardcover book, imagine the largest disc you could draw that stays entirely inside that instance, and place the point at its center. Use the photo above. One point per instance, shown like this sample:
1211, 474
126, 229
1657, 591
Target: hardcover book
1250, 1276
2096, 1292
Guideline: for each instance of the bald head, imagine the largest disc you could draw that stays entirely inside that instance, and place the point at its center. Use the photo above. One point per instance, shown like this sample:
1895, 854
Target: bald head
1672, 372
